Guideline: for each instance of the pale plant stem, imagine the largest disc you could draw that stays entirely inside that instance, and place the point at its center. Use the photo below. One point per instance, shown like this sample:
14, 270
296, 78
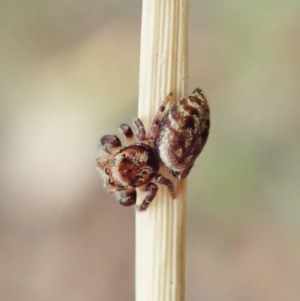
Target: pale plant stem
160, 230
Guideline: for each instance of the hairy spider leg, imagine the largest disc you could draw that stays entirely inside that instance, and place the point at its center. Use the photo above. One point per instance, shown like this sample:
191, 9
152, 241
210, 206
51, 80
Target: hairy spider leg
111, 144
164, 181
126, 130
158, 117
151, 188
127, 197
141, 132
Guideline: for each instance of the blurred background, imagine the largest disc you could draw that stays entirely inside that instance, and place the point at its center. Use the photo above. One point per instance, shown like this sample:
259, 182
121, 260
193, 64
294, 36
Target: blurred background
69, 74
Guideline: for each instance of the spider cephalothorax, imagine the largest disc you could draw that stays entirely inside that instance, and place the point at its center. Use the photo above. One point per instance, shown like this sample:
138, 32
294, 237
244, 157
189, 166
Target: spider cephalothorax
175, 140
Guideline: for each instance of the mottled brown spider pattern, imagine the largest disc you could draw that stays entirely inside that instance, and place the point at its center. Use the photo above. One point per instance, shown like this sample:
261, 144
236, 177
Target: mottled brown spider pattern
175, 140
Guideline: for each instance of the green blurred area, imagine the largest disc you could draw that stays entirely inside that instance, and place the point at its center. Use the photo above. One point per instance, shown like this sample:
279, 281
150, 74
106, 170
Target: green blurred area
69, 74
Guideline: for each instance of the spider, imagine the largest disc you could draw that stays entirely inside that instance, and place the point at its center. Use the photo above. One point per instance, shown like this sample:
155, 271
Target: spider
175, 140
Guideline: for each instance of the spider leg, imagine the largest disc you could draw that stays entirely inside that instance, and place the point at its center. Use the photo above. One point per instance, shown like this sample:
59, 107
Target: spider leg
110, 144
126, 197
126, 130
158, 117
164, 181
151, 188
141, 132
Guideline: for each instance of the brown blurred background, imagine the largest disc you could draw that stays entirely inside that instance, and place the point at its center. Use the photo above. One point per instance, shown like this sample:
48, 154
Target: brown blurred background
69, 74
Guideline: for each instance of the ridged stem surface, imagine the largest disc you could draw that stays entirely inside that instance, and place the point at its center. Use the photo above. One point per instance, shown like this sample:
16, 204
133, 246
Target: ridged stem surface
160, 230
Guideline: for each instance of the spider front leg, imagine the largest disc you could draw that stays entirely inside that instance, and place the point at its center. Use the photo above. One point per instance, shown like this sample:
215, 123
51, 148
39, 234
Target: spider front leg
126, 130
141, 132
110, 144
158, 117
126, 197
151, 188
164, 181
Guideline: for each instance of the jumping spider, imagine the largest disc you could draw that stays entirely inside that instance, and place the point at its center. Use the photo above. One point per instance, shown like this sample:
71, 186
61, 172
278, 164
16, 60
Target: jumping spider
175, 140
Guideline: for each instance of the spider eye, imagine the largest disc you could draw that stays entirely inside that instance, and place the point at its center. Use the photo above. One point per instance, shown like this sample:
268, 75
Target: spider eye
123, 155
110, 181
106, 170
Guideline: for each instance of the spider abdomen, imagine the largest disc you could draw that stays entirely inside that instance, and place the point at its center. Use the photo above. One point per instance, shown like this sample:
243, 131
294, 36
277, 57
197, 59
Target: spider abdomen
182, 134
